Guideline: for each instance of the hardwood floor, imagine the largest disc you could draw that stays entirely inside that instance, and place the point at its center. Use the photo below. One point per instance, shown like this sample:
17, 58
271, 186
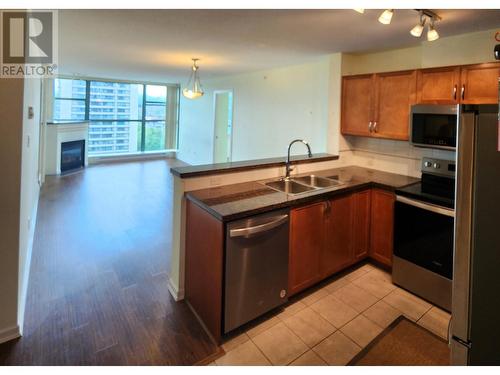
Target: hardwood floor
98, 292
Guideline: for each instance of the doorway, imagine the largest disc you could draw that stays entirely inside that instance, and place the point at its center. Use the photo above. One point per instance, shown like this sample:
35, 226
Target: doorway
223, 125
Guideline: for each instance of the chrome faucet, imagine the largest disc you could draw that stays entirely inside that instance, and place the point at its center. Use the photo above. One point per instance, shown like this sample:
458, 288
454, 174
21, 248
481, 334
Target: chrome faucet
287, 162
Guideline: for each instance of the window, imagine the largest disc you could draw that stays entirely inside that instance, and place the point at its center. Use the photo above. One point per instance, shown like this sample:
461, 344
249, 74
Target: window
123, 117
69, 99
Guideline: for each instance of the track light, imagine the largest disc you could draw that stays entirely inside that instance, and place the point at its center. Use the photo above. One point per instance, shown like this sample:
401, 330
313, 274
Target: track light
419, 27
432, 33
360, 10
386, 16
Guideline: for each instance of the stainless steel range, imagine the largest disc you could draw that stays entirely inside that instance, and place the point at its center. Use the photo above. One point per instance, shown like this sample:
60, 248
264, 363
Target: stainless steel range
423, 233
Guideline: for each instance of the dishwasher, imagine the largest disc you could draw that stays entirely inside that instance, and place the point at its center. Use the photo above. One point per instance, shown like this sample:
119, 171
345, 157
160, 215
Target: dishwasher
256, 267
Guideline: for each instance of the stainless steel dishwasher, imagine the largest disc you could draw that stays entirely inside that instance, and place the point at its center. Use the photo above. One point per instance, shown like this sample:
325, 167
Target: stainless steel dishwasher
256, 269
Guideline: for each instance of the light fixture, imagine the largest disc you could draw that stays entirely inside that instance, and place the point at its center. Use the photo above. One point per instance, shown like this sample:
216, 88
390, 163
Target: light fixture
193, 89
359, 10
419, 27
432, 33
386, 16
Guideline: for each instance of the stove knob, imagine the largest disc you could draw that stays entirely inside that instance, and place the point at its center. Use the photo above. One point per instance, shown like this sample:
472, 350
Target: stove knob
427, 164
437, 165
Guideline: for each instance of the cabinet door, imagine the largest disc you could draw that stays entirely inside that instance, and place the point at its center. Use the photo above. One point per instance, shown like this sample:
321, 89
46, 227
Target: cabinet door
382, 226
357, 104
361, 224
306, 242
479, 84
438, 86
337, 252
394, 95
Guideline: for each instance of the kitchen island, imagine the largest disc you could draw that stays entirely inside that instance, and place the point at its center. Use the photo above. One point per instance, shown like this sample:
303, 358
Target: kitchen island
330, 229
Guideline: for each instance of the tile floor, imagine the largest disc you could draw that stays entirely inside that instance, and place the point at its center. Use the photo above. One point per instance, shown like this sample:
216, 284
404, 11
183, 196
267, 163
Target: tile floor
330, 324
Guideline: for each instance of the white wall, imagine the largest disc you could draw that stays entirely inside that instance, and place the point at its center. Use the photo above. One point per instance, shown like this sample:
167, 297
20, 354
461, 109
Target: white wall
11, 114
271, 108
30, 188
19, 196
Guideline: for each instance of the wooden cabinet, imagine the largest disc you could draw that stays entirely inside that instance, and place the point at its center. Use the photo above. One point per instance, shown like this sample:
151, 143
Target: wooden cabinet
357, 104
468, 84
479, 84
378, 105
361, 213
382, 226
438, 86
394, 95
338, 246
306, 244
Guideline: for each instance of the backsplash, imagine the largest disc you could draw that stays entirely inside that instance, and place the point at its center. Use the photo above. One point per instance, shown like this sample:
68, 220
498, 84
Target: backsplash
390, 156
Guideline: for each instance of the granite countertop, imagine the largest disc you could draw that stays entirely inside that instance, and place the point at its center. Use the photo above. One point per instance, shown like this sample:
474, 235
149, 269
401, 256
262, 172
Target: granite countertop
231, 202
238, 166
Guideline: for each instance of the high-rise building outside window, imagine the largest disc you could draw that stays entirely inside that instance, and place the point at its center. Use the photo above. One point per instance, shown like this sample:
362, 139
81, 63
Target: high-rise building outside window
124, 118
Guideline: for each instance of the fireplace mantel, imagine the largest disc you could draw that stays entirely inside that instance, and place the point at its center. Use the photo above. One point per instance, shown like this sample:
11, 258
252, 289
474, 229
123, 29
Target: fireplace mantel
56, 134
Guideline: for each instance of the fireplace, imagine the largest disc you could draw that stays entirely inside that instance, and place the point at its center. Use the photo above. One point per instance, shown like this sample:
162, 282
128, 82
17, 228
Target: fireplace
72, 155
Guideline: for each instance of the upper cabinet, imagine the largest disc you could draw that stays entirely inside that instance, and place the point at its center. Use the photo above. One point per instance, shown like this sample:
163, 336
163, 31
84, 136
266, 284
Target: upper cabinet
357, 104
468, 84
378, 105
394, 95
438, 86
479, 84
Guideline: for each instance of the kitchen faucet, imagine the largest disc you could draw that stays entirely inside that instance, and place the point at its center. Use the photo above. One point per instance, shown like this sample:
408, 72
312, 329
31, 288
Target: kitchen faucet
287, 162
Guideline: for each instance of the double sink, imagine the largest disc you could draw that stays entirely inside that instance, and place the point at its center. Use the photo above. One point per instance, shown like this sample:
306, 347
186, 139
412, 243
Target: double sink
303, 184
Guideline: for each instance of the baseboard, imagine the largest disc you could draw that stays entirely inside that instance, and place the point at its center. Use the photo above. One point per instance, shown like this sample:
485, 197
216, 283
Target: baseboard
177, 293
9, 334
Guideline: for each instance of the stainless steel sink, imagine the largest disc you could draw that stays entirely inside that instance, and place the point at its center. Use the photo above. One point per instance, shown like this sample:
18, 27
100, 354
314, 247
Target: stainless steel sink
289, 187
316, 181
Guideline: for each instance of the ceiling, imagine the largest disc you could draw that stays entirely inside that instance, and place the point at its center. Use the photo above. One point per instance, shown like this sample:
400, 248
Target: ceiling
157, 45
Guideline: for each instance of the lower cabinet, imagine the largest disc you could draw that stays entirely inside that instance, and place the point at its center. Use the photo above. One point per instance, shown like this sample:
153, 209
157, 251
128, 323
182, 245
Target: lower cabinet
337, 252
306, 242
329, 236
361, 224
382, 226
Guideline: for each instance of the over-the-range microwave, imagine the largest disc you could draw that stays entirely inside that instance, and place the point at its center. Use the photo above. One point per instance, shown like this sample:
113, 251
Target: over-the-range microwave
434, 126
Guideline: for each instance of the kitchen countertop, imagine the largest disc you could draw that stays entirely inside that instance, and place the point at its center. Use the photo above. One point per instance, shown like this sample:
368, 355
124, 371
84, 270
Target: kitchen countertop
239, 166
231, 202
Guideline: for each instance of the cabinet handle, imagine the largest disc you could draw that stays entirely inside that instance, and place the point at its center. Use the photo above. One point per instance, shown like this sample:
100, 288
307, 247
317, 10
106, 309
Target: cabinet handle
370, 126
328, 208
375, 127
455, 92
463, 92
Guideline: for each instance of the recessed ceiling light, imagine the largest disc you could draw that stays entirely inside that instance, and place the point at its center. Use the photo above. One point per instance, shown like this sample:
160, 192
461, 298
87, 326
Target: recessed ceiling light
386, 16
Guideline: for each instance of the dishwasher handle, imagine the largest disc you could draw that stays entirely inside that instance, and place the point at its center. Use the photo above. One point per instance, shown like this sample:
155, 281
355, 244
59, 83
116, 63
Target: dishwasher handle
274, 222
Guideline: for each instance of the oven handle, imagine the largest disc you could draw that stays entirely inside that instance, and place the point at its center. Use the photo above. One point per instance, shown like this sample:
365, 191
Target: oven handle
426, 206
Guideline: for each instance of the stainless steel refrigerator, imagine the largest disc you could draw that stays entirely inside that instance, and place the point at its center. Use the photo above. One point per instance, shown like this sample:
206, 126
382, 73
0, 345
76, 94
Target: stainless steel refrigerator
475, 324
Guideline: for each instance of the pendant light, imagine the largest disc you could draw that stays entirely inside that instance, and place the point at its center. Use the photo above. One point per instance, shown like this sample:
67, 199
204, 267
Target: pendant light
386, 16
419, 28
193, 89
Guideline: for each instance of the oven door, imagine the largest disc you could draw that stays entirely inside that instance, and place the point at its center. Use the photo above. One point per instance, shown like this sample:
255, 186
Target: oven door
434, 126
423, 235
